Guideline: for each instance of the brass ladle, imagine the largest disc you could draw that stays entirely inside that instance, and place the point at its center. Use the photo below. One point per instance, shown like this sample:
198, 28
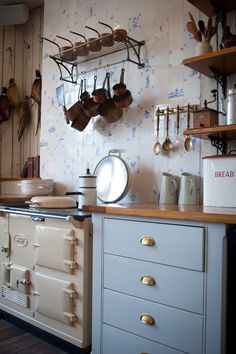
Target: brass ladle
188, 141
157, 146
167, 145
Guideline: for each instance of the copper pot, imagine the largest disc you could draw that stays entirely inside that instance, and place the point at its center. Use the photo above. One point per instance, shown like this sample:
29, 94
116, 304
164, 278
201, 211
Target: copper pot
120, 88
67, 53
94, 44
100, 95
124, 100
90, 107
107, 38
108, 110
80, 47
120, 34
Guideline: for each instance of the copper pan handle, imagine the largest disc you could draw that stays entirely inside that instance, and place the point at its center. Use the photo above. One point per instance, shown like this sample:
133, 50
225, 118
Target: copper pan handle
65, 39
93, 30
78, 34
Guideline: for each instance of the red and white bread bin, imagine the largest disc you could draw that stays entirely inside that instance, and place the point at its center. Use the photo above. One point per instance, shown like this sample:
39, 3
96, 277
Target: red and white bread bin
219, 180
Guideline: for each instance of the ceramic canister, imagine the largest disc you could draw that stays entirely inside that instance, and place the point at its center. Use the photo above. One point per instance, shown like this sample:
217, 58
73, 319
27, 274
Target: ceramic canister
88, 180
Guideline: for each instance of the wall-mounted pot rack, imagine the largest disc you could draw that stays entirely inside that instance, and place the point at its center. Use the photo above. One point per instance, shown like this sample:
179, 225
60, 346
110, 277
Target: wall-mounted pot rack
69, 68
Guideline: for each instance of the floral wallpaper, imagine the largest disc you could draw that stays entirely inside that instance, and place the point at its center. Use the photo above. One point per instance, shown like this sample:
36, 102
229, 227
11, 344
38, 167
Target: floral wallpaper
66, 152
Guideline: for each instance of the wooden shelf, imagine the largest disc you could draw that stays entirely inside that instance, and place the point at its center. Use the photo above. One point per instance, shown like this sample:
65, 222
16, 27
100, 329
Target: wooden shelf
206, 7
227, 132
222, 62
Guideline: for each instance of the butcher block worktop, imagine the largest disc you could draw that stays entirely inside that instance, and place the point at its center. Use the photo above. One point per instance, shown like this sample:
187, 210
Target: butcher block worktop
168, 211
13, 198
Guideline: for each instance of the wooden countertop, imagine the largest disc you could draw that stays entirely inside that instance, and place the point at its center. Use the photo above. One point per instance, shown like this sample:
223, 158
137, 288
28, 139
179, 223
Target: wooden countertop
168, 211
13, 198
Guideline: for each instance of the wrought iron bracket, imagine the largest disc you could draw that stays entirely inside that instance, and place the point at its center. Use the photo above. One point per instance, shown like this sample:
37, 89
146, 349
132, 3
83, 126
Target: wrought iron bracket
221, 79
219, 142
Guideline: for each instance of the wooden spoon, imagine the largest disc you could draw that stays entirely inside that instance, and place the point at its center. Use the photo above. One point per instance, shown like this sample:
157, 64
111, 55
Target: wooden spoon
201, 26
191, 27
167, 145
188, 140
198, 36
157, 146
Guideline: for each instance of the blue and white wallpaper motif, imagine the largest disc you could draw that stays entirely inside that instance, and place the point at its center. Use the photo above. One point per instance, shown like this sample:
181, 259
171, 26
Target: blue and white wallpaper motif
65, 152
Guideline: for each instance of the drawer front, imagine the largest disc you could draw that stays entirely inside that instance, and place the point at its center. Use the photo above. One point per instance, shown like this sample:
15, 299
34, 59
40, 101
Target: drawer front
175, 328
155, 282
176, 245
116, 341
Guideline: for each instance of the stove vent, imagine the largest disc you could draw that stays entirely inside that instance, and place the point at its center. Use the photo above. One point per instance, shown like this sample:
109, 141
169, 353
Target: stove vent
15, 296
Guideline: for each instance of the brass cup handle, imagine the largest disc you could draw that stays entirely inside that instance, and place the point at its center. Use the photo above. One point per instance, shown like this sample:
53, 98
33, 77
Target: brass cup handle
147, 319
147, 241
148, 280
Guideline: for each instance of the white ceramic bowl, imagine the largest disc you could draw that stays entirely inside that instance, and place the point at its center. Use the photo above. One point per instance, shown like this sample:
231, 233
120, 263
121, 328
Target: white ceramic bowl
36, 186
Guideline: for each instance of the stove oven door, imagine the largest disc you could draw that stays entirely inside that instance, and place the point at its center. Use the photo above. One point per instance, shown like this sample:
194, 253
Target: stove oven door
55, 247
54, 298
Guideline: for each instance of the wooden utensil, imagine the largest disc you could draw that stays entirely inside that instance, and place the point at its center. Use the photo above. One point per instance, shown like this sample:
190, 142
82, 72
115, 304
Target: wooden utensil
191, 27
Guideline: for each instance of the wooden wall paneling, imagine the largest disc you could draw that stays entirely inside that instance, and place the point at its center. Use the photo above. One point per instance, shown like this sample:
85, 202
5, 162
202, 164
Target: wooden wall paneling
7, 127
1, 74
35, 21
19, 78
28, 77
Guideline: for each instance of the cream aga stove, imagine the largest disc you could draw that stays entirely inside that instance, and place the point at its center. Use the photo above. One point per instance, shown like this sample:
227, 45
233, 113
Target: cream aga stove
45, 262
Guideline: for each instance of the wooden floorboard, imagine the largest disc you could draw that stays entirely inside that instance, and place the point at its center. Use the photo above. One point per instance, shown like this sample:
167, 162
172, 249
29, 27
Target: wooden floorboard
13, 340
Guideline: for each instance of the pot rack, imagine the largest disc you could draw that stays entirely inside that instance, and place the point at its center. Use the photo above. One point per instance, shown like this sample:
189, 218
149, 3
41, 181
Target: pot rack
69, 69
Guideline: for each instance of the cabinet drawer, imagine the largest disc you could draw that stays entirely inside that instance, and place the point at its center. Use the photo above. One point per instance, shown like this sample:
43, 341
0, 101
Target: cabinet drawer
172, 327
176, 245
156, 282
116, 341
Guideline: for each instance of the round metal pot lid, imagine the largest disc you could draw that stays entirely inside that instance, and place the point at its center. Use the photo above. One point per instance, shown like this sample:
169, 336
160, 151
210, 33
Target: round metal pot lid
112, 178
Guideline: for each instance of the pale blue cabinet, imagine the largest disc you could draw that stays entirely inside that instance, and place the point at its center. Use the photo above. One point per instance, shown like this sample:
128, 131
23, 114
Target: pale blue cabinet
157, 286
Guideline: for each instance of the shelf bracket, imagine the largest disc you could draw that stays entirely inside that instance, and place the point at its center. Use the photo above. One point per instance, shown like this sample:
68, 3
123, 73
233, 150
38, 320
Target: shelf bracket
220, 78
219, 142
136, 47
71, 73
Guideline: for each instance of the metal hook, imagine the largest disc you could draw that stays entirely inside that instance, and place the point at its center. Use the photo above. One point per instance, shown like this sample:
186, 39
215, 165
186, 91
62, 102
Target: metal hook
49, 40
27, 46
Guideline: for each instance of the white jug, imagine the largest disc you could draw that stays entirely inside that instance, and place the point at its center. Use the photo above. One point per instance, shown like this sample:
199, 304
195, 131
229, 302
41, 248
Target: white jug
169, 189
231, 106
188, 189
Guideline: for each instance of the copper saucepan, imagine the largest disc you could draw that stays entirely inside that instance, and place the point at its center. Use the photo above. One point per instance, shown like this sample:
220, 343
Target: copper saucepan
68, 53
108, 110
90, 106
122, 97
107, 38
94, 44
80, 47
100, 94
